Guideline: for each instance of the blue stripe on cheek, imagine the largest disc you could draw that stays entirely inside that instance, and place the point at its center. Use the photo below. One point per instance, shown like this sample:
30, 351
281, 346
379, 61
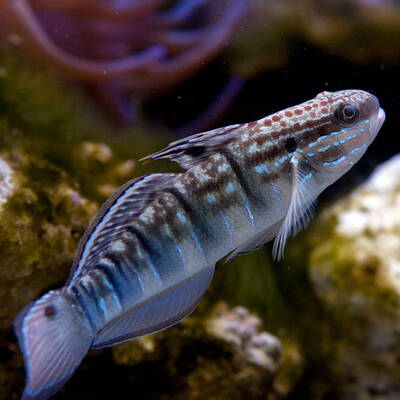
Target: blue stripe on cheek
320, 139
335, 162
355, 149
348, 138
323, 149
362, 130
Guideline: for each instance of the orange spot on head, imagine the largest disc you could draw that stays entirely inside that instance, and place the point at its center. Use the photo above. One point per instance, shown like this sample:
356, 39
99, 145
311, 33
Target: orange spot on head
307, 108
324, 110
288, 114
315, 105
276, 118
312, 114
283, 123
253, 123
324, 103
299, 111
267, 122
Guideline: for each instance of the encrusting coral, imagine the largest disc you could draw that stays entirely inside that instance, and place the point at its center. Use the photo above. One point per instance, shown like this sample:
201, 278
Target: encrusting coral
222, 354
355, 271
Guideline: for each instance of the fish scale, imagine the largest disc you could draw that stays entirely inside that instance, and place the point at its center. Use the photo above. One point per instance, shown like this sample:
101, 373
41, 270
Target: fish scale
149, 254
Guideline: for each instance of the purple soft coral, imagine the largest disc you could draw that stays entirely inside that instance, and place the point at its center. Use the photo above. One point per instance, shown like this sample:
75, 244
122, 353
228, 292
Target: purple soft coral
124, 49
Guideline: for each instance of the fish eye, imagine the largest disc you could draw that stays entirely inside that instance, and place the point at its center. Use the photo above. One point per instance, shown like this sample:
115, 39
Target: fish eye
347, 113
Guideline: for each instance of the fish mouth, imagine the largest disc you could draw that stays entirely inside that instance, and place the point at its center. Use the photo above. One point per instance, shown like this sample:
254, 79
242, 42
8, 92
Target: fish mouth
380, 119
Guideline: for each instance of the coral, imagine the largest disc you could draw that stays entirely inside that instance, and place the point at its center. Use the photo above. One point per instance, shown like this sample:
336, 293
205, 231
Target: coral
140, 49
224, 354
40, 225
355, 270
6, 181
240, 329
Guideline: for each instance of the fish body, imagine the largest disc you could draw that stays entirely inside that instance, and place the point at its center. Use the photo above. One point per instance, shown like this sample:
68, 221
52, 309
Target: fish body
149, 254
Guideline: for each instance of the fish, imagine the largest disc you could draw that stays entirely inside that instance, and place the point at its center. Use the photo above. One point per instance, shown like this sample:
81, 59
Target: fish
149, 254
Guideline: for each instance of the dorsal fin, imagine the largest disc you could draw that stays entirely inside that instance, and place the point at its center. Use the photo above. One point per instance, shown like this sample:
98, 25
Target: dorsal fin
114, 215
196, 148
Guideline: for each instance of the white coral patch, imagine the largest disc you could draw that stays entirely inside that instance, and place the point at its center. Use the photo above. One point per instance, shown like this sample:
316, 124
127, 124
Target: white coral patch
6, 181
375, 206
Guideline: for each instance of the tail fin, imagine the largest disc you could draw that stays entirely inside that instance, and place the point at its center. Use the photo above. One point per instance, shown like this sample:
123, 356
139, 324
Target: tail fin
53, 338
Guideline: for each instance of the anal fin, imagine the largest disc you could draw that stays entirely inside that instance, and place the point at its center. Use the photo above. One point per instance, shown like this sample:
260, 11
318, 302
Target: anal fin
158, 312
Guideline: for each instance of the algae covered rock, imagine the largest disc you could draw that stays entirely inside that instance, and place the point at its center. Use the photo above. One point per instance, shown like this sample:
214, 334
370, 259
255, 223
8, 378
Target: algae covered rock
40, 226
354, 267
36, 213
224, 354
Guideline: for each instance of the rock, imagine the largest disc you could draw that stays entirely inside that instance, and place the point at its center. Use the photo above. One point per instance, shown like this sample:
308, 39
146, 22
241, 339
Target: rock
224, 354
42, 217
240, 329
354, 266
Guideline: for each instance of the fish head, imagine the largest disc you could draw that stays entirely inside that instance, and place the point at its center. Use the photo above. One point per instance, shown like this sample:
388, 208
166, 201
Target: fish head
344, 124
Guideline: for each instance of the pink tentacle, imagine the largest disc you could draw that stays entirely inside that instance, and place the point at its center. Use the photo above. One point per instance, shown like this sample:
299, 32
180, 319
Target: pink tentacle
134, 11
63, 5
178, 41
177, 15
171, 71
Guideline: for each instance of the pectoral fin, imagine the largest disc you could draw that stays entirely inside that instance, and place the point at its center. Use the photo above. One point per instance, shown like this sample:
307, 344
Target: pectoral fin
300, 207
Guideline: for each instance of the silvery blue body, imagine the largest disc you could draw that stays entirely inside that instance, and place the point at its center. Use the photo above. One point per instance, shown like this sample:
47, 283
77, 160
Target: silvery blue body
149, 255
